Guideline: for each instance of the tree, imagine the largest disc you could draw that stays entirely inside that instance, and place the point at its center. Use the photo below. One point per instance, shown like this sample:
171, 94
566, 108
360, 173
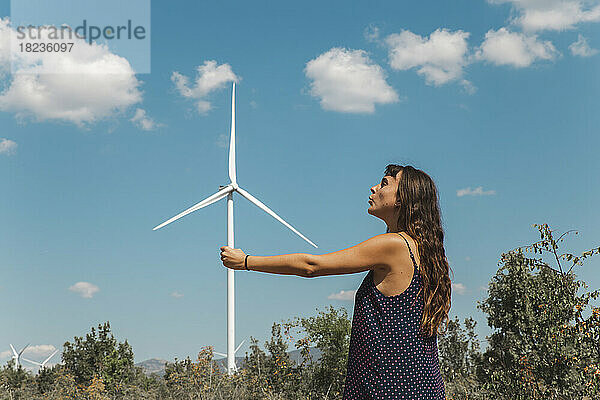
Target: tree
330, 332
278, 365
542, 348
16, 383
255, 368
459, 357
272, 374
458, 349
100, 360
46, 378
189, 379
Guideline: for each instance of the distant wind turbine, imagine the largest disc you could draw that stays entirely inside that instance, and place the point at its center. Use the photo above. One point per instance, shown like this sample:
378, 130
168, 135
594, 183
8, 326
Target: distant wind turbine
43, 363
225, 355
17, 356
228, 191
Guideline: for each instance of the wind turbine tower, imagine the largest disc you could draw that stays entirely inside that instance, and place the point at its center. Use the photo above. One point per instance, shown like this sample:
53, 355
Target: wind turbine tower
228, 191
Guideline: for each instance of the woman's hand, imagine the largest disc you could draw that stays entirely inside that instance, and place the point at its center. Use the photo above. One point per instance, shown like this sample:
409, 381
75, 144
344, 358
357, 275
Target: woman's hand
232, 258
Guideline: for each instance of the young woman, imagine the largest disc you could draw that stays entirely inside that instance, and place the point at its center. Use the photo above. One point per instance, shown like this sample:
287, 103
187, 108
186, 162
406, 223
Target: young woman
402, 301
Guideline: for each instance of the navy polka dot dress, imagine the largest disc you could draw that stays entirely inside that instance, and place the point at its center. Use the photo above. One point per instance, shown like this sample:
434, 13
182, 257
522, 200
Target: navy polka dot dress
388, 358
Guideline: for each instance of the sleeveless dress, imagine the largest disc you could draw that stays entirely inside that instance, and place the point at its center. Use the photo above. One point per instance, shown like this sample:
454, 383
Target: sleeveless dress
388, 358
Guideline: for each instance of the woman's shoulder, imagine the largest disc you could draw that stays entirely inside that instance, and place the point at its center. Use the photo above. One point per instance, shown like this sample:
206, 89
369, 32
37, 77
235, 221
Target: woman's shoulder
392, 241
397, 237
404, 243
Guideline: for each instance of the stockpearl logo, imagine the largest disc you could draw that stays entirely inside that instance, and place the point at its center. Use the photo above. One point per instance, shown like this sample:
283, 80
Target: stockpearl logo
85, 31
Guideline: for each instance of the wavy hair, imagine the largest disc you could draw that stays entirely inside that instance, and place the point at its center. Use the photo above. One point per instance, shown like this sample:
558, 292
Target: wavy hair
420, 217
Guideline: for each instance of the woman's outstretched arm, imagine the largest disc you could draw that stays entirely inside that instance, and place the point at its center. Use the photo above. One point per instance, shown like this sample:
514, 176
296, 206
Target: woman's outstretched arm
286, 264
380, 251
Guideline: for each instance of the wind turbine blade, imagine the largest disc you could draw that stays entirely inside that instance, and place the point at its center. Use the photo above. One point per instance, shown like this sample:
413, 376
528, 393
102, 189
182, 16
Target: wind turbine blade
32, 362
266, 209
21, 352
239, 346
232, 176
13, 350
209, 200
220, 354
48, 359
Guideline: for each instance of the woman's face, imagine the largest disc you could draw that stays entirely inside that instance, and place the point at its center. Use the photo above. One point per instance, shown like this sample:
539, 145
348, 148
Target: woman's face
383, 197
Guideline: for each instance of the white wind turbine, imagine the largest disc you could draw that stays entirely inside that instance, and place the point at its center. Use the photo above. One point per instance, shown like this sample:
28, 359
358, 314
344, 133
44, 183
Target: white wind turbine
228, 191
17, 356
225, 355
43, 363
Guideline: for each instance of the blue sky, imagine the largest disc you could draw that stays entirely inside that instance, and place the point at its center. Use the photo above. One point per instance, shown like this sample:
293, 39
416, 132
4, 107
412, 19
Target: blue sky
496, 101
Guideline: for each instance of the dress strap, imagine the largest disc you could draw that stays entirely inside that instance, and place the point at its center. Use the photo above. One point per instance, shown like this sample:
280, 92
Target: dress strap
409, 250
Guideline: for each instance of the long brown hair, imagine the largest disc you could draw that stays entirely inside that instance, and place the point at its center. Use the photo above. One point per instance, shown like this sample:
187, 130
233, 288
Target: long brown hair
420, 217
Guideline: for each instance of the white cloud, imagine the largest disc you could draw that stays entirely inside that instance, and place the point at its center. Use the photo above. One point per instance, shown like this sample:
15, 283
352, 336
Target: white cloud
7, 146
143, 121
503, 47
371, 33
459, 288
223, 141
209, 78
177, 295
474, 192
85, 289
348, 81
582, 48
39, 350
468, 86
5, 40
559, 15
439, 58
82, 86
345, 295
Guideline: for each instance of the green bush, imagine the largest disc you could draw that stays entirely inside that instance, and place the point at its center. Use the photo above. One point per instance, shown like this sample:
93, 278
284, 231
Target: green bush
541, 348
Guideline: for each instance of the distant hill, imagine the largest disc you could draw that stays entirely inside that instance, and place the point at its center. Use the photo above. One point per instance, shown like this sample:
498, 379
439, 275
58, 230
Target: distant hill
157, 366
153, 366
297, 358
